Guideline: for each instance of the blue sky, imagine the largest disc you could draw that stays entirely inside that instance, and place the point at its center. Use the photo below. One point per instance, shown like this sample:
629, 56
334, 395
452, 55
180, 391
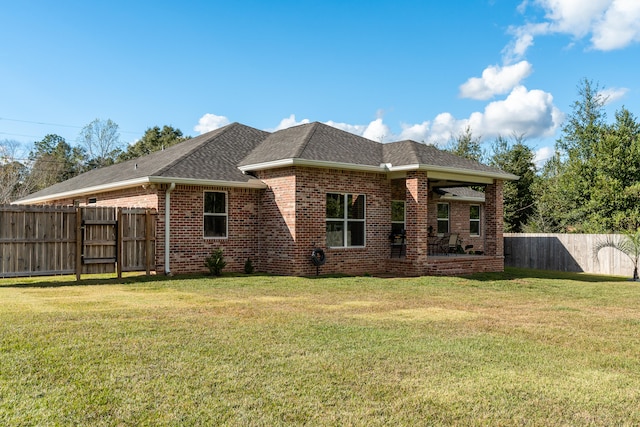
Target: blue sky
387, 70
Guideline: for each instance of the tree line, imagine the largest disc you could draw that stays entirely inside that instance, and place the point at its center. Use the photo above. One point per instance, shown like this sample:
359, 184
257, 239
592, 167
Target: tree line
590, 185
53, 159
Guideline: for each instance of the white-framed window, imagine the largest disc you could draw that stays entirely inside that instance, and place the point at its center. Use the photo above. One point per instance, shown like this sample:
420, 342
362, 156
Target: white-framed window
398, 218
345, 217
443, 218
474, 220
215, 214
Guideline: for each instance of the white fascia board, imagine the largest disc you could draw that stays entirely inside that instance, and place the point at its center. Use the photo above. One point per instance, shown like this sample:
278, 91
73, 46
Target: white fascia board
459, 177
462, 199
120, 185
313, 163
250, 183
88, 190
385, 167
457, 171
266, 165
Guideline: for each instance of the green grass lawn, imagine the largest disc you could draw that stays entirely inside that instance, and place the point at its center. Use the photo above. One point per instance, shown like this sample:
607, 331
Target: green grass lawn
524, 347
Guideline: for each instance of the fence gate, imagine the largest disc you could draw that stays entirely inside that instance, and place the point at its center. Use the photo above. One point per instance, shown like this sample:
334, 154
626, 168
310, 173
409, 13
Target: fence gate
98, 240
116, 240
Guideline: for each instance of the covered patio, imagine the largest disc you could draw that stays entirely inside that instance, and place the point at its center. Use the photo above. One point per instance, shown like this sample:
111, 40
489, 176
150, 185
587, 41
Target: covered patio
443, 224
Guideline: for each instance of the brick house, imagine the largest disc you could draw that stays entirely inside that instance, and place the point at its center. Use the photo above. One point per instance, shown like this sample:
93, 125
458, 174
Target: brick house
274, 197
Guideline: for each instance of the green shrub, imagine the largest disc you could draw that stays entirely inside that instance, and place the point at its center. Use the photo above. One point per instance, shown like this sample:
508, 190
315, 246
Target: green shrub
248, 266
215, 262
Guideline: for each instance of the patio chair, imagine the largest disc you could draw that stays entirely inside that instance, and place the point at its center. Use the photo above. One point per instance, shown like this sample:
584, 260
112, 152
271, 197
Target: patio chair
398, 244
454, 242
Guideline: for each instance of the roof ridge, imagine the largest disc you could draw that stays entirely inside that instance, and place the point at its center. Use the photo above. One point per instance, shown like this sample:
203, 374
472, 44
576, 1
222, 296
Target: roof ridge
223, 129
305, 142
414, 149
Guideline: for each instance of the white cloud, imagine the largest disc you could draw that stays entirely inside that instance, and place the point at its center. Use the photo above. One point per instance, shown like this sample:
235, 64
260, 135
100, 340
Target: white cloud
289, 122
619, 27
495, 80
355, 129
613, 94
417, 132
444, 127
210, 122
378, 131
523, 112
575, 17
612, 24
523, 40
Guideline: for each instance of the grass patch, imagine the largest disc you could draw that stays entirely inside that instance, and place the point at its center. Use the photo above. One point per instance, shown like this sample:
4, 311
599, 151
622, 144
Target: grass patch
501, 349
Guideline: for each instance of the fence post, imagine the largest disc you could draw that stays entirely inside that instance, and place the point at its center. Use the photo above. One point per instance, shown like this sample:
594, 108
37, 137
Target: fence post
147, 241
78, 242
119, 245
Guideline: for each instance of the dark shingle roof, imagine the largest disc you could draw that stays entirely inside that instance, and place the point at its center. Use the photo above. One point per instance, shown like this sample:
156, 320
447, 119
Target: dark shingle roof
462, 192
412, 152
210, 156
401, 153
216, 156
316, 141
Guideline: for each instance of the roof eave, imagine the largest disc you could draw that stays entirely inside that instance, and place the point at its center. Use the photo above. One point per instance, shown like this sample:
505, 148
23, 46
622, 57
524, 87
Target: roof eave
451, 198
312, 163
460, 171
120, 185
84, 191
382, 168
249, 183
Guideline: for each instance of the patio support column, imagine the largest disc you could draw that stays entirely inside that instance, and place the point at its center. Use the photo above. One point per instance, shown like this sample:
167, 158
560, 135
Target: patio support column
494, 217
417, 194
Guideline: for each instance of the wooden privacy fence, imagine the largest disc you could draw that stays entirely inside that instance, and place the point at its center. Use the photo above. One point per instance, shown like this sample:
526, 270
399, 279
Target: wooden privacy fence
564, 252
50, 240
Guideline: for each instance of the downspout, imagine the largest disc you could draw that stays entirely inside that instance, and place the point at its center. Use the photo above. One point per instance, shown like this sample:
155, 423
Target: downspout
167, 227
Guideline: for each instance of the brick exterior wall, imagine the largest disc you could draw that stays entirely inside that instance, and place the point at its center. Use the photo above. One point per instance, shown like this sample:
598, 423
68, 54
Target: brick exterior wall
277, 222
293, 220
278, 227
313, 186
459, 222
459, 215
189, 247
494, 220
453, 266
416, 213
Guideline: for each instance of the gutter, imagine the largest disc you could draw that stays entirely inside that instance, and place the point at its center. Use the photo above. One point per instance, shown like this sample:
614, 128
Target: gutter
382, 168
167, 228
462, 199
312, 163
460, 171
119, 185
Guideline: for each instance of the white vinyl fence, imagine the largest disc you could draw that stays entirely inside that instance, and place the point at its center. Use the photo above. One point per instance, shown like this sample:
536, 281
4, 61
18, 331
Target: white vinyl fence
564, 252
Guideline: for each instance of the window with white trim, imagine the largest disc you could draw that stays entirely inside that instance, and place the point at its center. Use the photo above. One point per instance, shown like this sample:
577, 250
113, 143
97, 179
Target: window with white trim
443, 218
215, 214
345, 218
397, 216
474, 220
